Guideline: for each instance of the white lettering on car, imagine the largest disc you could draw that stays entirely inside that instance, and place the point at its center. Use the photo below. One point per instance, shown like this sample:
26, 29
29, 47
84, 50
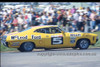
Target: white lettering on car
75, 35
19, 37
25, 37
36, 37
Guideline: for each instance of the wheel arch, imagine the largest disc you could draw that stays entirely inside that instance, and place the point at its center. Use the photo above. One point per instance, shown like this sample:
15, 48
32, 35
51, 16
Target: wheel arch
81, 39
29, 41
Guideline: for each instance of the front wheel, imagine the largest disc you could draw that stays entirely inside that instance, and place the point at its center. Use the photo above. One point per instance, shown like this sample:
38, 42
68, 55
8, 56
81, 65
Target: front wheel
83, 44
26, 47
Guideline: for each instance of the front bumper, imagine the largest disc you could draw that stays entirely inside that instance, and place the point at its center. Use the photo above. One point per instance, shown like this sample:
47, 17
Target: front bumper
96, 41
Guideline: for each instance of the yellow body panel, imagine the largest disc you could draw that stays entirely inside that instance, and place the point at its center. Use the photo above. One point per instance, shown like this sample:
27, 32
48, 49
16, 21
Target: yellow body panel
44, 40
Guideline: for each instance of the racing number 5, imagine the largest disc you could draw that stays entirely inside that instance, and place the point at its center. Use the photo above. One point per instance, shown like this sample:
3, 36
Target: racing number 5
56, 40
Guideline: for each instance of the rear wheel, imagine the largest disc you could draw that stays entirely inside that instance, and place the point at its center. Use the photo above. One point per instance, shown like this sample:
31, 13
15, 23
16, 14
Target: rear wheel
83, 44
26, 47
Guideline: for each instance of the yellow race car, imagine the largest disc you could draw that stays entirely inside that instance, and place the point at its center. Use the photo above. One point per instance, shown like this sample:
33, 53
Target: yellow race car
48, 37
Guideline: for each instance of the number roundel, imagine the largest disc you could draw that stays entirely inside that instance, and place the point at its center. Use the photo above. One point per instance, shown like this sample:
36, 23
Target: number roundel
56, 40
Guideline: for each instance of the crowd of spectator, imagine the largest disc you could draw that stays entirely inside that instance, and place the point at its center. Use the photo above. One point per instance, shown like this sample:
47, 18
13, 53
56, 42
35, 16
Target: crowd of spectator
73, 19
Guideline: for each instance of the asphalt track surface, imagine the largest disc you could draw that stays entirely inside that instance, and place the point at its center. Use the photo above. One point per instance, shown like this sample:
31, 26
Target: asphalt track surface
52, 58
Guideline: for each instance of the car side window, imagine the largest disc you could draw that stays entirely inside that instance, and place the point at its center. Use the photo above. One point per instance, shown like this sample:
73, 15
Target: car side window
47, 30
40, 31
43, 30
50, 30
55, 30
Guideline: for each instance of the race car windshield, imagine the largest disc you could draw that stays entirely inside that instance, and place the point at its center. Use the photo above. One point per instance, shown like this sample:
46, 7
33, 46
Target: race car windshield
25, 29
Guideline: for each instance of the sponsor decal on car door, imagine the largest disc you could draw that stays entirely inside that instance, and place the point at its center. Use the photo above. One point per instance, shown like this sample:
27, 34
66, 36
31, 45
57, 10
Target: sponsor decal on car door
58, 39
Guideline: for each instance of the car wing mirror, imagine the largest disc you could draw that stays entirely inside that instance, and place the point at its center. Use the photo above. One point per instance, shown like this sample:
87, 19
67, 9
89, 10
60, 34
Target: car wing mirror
62, 32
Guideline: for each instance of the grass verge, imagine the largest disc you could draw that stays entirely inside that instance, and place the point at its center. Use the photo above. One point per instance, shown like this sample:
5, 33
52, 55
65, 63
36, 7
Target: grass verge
3, 48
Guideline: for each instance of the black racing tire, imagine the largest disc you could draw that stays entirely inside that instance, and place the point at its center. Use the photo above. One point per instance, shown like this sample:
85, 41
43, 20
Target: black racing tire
46, 48
26, 47
83, 44
74, 48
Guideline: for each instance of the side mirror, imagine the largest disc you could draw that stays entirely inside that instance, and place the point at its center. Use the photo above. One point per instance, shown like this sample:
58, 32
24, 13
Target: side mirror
62, 32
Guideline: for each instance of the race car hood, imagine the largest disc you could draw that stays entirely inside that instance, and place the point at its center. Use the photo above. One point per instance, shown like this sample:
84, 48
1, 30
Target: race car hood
12, 33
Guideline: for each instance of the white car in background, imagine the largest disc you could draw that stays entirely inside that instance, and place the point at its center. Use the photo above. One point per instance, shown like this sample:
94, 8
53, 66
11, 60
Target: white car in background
21, 6
42, 6
9, 6
18, 7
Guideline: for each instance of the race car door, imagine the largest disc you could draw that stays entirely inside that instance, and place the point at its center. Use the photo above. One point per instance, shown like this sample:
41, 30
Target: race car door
54, 38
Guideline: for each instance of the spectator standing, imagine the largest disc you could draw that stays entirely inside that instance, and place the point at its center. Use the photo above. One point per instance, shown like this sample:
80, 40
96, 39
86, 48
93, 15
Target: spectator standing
5, 12
26, 20
38, 21
88, 11
64, 21
76, 17
93, 20
5, 25
54, 20
81, 23
33, 18
20, 22
44, 19
86, 20
60, 16
8, 22
29, 14
24, 10
98, 22
73, 10
1, 18
15, 23
98, 10
31, 8
49, 21
55, 14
